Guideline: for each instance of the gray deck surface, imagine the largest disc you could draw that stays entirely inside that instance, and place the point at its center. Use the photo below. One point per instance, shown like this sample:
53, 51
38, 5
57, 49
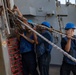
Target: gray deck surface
55, 70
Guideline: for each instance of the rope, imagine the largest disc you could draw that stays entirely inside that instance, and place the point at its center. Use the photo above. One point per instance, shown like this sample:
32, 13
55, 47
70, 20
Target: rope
58, 32
55, 46
5, 18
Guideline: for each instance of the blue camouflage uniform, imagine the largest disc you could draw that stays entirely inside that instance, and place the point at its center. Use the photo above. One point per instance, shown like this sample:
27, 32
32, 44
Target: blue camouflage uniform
28, 56
68, 65
43, 53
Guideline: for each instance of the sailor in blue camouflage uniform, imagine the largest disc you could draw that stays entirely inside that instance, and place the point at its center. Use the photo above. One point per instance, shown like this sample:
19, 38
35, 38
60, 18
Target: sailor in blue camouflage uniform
27, 41
44, 50
69, 45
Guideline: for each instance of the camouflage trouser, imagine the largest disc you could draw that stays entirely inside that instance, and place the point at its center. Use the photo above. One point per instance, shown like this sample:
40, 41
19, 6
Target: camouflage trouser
29, 63
66, 69
43, 63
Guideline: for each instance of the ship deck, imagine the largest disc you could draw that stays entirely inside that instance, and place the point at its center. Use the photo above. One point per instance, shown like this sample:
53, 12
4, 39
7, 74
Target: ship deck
55, 70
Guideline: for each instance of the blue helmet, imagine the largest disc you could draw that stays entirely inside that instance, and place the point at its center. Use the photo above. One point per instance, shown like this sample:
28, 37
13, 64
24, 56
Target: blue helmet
31, 22
47, 24
70, 26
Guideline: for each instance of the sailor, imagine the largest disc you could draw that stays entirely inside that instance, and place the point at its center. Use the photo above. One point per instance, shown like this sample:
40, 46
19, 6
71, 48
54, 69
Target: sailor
27, 40
44, 50
68, 45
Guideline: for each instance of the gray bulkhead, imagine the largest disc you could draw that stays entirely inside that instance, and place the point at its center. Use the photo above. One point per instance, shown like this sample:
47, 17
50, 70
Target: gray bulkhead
46, 10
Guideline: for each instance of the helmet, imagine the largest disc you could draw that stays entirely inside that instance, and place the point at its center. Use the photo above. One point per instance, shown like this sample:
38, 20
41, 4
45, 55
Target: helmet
70, 26
47, 24
31, 23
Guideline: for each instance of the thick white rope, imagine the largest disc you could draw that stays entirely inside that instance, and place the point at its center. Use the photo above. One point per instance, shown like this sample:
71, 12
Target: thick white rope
63, 34
55, 46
